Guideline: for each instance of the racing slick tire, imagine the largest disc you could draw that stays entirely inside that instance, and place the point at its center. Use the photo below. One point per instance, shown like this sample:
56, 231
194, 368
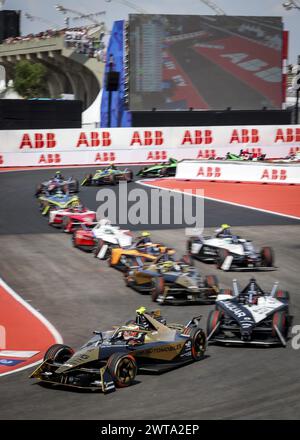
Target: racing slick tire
64, 223
221, 257
129, 177
38, 191
199, 343
267, 256
122, 368
113, 179
58, 353
158, 288
212, 281
75, 186
280, 319
100, 243
187, 259
213, 319
189, 244
282, 294
163, 172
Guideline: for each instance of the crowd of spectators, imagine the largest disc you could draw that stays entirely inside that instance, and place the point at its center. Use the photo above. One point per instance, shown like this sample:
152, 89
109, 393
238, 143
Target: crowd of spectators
76, 38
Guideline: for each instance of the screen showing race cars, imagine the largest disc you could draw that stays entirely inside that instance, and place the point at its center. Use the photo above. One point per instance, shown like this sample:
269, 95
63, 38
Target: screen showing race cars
179, 62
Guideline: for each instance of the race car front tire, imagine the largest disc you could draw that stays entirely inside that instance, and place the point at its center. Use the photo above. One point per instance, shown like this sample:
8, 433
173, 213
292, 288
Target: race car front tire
212, 281
158, 288
58, 353
267, 256
214, 318
221, 257
122, 368
280, 320
199, 343
282, 294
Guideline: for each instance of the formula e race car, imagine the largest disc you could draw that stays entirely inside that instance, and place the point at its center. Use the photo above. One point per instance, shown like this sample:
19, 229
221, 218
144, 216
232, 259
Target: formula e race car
245, 155
110, 176
173, 282
112, 358
164, 169
71, 218
57, 201
50, 187
230, 252
250, 316
100, 237
125, 258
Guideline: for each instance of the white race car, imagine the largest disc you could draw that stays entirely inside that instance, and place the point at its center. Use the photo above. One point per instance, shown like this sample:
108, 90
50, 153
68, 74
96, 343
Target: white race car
230, 253
250, 316
100, 237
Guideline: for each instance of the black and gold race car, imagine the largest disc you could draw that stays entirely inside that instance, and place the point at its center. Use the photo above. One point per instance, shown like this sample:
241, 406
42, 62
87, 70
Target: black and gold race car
173, 282
112, 358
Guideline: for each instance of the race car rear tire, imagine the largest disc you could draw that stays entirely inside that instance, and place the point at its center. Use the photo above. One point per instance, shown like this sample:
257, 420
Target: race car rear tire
113, 179
282, 294
280, 319
211, 281
267, 256
199, 342
122, 368
221, 257
64, 223
213, 320
187, 259
58, 353
189, 244
158, 288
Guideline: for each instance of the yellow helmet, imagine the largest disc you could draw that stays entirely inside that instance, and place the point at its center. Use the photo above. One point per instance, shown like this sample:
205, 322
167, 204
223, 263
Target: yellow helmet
141, 310
225, 226
145, 234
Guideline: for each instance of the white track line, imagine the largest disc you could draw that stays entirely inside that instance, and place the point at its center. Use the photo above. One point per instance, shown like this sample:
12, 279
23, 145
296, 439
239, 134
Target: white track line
141, 182
38, 315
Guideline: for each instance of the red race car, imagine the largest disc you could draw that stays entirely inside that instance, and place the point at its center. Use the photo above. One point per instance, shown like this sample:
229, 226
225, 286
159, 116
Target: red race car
72, 218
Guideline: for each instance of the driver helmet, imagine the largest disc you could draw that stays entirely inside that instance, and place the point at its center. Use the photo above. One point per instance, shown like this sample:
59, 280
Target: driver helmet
224, 229
252, 297
58, 175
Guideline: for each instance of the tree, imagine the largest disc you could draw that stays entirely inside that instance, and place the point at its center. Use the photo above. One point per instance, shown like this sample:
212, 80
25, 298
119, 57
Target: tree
30, 79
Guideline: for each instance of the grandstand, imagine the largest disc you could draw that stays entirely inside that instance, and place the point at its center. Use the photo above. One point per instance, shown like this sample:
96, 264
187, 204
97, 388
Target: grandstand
74, 59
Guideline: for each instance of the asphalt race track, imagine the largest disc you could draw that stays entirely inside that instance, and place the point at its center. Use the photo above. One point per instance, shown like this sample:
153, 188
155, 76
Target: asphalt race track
79, 294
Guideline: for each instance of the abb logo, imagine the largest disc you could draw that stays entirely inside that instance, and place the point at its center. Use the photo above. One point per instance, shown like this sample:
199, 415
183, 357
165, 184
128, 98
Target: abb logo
244, 136
1, 159
157, 155
197, 137
294, 150
94, 139
206, 154
273, 174
105, 157
287, 135
38, 140
147, 138
49, 158
209, 172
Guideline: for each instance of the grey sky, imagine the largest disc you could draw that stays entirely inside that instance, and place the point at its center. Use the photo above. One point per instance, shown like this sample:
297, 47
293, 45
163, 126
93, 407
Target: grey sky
117, 9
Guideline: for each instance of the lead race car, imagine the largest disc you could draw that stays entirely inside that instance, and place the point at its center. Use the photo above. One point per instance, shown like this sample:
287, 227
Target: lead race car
164, 169
71, 218
100, 237
230, 252
173, 282
250, 316
110, 175
58, 182
112, 358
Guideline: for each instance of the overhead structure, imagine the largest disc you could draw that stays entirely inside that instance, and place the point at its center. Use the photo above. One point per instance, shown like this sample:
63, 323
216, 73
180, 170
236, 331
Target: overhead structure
79, 15
214, 7
291, 4
131, 5
42, 20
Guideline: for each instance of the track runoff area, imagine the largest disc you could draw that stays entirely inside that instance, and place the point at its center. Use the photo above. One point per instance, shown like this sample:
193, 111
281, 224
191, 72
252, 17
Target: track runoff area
76, 293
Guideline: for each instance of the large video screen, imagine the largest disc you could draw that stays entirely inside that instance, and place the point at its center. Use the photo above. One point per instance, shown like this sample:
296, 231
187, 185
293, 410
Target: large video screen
179, 62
